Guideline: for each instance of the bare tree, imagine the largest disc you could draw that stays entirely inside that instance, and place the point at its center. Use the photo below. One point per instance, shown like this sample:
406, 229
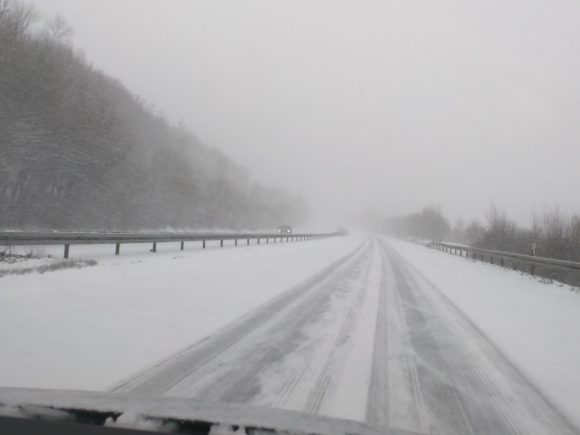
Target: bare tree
59, 30
474, 233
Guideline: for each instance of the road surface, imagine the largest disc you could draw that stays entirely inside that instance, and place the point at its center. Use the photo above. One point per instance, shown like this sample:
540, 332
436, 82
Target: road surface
368, 339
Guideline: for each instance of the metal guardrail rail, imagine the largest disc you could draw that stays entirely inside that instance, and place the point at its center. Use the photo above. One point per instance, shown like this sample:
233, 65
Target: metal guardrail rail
560, 270
87, 238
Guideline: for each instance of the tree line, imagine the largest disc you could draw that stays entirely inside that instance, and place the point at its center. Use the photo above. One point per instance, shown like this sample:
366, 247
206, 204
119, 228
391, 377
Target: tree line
79, 151
551, 233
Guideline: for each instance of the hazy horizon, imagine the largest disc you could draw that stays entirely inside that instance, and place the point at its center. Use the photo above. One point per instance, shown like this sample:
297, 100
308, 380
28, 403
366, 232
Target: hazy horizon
355, 105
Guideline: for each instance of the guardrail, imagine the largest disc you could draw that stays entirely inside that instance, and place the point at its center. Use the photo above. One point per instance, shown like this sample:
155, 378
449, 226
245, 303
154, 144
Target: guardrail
68, 239
559, 270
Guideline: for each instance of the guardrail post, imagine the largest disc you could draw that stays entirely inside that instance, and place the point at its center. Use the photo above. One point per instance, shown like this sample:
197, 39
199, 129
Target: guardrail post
267, 240
532, 269
117, 248
221, 243
258, 240
248, 242
66, 249
182, 243
203, 244
154, 249
236, 241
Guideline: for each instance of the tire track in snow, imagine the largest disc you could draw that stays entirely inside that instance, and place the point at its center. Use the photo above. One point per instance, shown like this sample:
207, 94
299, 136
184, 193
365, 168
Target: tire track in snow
395, 396
467, 386
308, 338
339, 351
166, 373
303, 334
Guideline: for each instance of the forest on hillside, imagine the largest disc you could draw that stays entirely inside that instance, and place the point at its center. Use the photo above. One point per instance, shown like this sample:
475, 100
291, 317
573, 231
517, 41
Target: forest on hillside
80, 151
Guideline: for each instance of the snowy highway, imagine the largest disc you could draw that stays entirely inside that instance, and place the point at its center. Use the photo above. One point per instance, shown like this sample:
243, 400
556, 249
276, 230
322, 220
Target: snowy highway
362, 327
368, 339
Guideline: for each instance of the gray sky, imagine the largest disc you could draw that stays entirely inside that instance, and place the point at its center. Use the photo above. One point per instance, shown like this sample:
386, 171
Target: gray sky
355, 104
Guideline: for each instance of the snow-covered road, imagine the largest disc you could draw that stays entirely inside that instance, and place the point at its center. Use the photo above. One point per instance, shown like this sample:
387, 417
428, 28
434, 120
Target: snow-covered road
440, 374
368, 339
366, 335
290, 353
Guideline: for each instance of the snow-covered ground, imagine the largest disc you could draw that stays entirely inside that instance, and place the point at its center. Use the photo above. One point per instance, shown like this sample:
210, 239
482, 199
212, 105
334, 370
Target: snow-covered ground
359, 327
88, 328
536, 325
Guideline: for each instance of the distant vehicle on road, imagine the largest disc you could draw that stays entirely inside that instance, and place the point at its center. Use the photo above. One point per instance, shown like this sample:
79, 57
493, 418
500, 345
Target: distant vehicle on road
285, 229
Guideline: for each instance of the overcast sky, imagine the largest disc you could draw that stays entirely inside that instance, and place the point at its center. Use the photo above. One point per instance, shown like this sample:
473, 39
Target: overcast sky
355, 104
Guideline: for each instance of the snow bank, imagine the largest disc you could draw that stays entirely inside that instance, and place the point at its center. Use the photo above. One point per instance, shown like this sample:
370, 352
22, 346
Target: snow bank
89, 328
536, 325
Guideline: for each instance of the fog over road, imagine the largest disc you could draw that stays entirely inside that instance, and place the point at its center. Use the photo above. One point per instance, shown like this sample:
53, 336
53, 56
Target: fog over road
369, 339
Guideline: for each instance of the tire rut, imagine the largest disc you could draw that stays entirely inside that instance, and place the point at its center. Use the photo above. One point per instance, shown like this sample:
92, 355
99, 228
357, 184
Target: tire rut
227, 365
466, 384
